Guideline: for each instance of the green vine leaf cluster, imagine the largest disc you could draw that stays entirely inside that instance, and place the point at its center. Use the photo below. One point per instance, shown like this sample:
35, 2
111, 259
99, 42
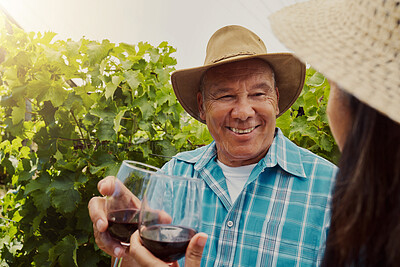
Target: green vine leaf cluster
306, 122
72, 111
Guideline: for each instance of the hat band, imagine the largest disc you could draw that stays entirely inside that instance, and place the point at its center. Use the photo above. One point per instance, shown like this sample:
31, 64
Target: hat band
233, 55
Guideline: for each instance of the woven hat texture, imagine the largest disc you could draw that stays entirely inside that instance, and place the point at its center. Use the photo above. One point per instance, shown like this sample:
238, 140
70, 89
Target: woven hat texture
234, 43
355, 43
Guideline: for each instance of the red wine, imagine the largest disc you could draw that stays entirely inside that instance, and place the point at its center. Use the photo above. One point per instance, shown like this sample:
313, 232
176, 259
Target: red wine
167, 242
123, 223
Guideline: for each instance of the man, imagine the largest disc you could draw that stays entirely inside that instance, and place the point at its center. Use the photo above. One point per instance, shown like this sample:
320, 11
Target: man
266, 201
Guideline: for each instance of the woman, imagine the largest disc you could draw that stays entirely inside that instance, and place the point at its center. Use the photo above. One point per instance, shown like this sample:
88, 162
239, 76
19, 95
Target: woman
357, 44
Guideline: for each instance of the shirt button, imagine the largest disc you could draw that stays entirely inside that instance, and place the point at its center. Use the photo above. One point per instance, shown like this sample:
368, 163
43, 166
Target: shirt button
230, 224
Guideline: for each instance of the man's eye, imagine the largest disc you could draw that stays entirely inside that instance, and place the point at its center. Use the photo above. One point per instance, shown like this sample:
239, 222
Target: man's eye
259, 94
225, 97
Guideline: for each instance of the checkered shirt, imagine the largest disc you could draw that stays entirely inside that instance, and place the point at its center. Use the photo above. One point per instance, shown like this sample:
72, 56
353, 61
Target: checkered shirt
280, 218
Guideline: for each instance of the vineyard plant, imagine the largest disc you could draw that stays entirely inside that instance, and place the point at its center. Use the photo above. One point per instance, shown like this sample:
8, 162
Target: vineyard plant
71, 111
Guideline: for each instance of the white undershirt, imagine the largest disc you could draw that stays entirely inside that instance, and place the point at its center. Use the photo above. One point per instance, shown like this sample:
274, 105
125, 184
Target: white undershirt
236, 178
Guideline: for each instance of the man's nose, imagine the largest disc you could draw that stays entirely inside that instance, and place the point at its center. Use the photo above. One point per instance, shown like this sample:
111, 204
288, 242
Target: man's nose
242, 109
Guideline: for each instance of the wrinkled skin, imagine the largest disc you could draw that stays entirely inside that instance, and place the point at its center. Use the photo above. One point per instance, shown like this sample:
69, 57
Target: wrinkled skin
239, 103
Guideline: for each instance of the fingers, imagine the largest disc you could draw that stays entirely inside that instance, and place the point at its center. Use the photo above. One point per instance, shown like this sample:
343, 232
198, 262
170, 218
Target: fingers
144, 258
97, 213
105, 242
194, 251
106, 186
109, 245
141, 255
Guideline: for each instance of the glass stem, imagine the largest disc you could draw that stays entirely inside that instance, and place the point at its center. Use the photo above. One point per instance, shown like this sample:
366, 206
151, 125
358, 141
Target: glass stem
117, 262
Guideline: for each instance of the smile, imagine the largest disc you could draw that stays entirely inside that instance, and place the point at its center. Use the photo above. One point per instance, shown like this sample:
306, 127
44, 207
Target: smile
242, 131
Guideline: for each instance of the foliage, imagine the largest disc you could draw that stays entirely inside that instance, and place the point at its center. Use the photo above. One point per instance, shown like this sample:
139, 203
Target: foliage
73, 110
306, 122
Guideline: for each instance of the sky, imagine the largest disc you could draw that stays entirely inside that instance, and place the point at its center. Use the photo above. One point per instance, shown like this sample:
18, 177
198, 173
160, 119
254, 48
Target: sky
185, 24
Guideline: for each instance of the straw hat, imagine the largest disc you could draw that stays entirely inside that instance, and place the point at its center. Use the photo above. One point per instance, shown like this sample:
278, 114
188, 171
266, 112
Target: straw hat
355, 43
231, 44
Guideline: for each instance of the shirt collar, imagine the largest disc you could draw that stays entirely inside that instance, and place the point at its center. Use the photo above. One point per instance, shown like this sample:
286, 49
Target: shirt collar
286, 154
282, 152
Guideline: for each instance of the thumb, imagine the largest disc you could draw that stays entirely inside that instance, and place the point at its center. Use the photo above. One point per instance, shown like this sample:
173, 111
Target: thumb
194, 251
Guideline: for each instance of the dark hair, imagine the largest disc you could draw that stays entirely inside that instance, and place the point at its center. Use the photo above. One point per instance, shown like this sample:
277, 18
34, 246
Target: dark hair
365, 223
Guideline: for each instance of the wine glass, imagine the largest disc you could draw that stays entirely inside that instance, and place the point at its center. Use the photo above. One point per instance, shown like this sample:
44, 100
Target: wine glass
170, 215
123, 205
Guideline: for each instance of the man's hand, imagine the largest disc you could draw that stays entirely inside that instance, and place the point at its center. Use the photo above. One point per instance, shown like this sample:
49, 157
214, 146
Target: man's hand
144, 258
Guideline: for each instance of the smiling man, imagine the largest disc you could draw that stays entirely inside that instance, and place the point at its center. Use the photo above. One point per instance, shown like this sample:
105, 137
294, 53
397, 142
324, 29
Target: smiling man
266, 201
239, 103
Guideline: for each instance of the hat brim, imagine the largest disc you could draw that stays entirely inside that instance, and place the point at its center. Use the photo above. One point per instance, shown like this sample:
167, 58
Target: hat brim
334, 38
289, 75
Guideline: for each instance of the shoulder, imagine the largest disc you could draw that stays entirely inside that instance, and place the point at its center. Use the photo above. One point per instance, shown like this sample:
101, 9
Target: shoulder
309, 157
298, 160
295, 157
320, 173
184, 163
316, 165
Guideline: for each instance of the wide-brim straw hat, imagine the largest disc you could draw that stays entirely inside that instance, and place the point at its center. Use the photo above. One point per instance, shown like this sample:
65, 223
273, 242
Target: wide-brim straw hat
355, 43
234, 43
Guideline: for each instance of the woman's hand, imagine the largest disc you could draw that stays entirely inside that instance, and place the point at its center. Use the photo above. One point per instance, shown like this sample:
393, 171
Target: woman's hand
144, 258
97, 212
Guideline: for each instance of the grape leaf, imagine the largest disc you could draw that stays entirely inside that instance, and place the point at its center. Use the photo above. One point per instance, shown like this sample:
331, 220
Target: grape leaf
133, 78
65, 250
58, 200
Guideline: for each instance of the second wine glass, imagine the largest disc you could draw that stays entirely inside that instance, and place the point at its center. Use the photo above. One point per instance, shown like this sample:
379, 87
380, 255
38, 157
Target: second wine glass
170, 215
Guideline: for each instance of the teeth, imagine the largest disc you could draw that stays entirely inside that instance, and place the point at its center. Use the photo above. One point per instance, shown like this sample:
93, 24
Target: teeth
235, 130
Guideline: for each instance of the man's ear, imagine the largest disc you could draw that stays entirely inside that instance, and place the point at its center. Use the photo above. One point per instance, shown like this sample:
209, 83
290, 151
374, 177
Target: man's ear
277, 100
200, 105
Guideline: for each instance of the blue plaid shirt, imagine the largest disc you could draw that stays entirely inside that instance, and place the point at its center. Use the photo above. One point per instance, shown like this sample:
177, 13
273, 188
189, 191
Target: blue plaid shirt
280, 218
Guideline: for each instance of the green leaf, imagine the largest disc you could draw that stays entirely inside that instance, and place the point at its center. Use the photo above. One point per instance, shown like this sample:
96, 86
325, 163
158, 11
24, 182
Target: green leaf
145, 106
143, 47
41, 199
65, 251
47, 37
117, 120
40, 183
7, 164
105, 129
18, 114
59, 197
133, 78
25, 176
96, 52
42, 257
111, 87
283, 122
163, 74
299, 124
47, 112
62, 182
38, 219
326, 143
316, 79
154, 55
56, 94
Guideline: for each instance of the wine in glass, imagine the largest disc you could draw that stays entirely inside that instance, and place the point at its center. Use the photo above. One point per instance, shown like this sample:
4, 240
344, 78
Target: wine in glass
124, 204
170, 215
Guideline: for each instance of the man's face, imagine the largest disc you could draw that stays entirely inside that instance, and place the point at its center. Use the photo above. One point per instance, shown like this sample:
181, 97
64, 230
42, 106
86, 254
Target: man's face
240, 106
